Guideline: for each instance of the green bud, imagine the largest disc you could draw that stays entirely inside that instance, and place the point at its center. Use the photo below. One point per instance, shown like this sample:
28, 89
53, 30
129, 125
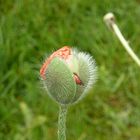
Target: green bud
69, 80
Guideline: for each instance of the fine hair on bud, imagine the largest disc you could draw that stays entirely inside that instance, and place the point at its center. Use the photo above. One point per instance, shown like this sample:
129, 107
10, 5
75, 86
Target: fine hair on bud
68, 75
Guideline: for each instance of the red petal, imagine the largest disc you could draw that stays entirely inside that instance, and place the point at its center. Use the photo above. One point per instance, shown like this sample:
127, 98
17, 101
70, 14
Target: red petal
77, 79
61, 53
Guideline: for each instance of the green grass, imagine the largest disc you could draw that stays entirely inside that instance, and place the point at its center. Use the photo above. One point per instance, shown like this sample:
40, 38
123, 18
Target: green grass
31, 29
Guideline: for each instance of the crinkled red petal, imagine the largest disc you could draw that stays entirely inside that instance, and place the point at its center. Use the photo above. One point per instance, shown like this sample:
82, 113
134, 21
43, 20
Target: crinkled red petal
61, 53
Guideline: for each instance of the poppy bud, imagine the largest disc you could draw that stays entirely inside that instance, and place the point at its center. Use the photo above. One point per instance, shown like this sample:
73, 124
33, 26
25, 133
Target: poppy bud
68, 75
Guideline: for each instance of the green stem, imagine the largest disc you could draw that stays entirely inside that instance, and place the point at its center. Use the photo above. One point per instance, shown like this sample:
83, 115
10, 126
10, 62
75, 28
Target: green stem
62, 122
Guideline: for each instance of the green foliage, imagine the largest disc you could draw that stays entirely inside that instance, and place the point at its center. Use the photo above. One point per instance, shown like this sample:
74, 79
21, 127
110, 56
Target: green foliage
29, 29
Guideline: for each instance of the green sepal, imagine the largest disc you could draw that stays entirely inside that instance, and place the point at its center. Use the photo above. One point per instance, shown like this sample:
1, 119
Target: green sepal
59, 82
84, 77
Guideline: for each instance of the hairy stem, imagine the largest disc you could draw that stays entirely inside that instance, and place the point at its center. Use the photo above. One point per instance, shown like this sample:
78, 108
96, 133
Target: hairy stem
62, 122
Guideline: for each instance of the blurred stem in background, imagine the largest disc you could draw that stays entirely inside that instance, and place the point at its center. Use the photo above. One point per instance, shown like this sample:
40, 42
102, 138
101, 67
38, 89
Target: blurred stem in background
110, 21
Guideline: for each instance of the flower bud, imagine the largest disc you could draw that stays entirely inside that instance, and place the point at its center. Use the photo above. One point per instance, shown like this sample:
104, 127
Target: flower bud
68, 75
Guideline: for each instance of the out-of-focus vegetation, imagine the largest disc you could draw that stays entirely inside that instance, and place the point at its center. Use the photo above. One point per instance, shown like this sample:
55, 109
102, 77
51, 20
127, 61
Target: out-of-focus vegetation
31, 29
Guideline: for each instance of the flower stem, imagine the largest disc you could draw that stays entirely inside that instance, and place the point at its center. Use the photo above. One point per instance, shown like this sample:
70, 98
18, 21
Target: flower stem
110, 21
62, 122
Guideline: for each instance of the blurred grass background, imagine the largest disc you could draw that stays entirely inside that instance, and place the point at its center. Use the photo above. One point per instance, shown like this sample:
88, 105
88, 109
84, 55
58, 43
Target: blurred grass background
31, 29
